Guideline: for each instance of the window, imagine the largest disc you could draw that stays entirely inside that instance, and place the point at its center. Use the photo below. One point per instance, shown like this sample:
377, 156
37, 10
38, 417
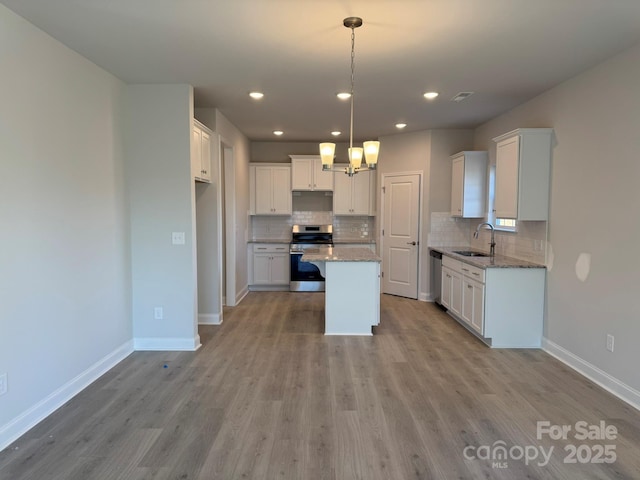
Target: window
504, 224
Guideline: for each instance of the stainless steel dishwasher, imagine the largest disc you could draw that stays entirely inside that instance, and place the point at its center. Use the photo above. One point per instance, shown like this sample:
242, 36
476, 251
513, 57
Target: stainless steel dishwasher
436, 276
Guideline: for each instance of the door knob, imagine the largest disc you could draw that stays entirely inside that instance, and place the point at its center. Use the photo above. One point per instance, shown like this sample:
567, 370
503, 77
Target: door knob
412, 243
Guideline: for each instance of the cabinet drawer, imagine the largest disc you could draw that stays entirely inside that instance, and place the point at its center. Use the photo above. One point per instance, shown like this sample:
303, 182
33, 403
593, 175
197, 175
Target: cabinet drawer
270, 248
473, 272
451, 263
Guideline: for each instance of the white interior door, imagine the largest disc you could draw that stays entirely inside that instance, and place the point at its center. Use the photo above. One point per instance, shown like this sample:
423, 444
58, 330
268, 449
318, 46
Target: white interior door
401, 227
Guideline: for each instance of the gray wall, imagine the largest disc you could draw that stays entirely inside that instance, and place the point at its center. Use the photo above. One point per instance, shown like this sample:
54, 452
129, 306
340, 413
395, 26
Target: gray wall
427, 152
161, 199
594, 202
233, 137
209, 229
278, 152
65, 290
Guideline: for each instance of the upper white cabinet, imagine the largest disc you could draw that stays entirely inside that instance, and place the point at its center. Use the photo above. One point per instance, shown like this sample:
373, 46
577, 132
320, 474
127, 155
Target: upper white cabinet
201, 152
270, 189
469, 184
354, 195
307, 173
523, 164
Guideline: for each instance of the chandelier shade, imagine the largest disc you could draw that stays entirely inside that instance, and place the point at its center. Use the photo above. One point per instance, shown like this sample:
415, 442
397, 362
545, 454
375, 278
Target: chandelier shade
369, 149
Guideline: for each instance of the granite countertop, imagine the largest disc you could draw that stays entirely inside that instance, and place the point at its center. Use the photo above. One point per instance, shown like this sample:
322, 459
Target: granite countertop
499, 261
359, 241
270, 240
337, 254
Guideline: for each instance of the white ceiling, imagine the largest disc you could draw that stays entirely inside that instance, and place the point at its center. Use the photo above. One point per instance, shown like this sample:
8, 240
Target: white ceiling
297, 52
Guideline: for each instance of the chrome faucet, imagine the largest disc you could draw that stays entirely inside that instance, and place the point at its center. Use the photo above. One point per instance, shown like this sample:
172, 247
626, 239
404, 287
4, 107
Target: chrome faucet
492, 251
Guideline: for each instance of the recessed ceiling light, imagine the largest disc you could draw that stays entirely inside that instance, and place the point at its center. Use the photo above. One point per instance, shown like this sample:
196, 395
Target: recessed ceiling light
344, 95
335, 133
256, 95
278, 132
430, 95
401, 125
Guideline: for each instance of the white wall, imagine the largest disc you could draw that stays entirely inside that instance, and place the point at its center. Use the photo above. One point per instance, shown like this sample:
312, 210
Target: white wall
161, 198
233, 137
594, 203
65, 302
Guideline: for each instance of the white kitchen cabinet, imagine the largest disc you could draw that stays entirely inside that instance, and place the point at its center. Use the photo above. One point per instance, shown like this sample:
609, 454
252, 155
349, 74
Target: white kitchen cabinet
270, 189
269, 265
451, 295
473, 304
523, 166
469, 184
354, 195
201, 152
503, 306
307, 174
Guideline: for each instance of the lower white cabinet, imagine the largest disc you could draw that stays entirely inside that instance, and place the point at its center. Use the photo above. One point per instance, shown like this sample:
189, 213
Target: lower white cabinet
451, 290
269, 265
473, 304
503, 306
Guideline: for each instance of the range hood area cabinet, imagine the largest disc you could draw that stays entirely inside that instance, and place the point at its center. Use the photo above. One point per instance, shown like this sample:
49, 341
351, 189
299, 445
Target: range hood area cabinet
201, 152
307, 174
523, 165
469, 184
354, 195
270, 189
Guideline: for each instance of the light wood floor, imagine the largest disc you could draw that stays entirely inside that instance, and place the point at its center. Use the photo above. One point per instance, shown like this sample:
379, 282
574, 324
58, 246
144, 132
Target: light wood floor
269, 397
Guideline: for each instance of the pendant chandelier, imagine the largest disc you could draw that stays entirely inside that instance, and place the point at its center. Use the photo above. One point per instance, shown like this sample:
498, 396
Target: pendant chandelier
370, 148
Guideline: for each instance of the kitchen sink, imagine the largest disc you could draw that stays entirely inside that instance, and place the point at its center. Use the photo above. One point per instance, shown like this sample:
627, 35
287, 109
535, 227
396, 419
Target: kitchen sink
471, 253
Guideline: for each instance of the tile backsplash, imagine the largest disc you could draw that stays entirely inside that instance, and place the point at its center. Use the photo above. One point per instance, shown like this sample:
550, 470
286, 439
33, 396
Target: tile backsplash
357, 228
528, 243
448, 231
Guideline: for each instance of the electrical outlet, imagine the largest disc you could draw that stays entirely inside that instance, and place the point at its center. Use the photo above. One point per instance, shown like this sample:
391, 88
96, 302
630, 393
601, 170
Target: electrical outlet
177, 238
610, 343
3, 384
158, 313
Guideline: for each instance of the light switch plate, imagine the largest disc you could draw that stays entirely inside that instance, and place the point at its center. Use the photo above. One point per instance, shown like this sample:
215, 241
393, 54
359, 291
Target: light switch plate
3, 384
177, 238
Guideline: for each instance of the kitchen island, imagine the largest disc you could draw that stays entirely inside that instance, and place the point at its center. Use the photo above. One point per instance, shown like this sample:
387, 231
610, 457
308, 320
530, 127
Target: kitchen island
352, 288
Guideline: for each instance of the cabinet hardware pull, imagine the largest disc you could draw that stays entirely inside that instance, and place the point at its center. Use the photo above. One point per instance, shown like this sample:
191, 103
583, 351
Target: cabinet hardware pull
411, 243
469, 286
476, 274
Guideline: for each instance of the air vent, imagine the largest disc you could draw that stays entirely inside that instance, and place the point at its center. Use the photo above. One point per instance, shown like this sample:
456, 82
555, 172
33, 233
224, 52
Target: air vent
461, 96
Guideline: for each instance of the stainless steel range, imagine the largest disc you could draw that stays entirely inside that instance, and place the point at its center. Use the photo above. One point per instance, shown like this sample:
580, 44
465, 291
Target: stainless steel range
305, 277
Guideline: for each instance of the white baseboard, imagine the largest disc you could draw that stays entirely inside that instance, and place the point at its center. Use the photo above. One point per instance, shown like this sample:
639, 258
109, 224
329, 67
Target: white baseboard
269, 288
241, 294
346, 334
209, 318
167, 344
425, 297
621, 390
34, 415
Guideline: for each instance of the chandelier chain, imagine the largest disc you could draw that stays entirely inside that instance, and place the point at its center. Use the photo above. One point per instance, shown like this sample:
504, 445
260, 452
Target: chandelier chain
353, 60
